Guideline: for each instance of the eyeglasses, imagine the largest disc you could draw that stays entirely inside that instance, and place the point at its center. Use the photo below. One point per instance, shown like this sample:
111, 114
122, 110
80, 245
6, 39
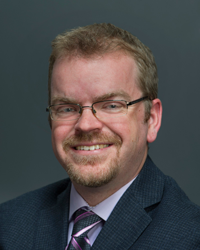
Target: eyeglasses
101, 110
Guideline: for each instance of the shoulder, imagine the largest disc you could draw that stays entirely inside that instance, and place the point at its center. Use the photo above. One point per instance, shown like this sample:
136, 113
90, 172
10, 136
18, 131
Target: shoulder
173, 215
178, 217
174, 219
32, 202
22, 217
50, 191
176, 199
178, 206
171, 196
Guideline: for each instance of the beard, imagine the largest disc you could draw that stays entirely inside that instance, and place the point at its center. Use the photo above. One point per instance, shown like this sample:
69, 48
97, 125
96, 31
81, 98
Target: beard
91, 171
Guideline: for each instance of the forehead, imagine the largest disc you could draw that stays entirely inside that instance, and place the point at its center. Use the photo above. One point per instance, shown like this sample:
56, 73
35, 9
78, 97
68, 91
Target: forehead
92, 77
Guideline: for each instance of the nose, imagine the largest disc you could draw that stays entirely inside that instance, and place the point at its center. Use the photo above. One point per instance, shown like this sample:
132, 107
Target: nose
88, 121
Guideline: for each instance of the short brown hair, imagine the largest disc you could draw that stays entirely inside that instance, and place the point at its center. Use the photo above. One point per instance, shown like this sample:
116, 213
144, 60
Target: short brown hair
98, 39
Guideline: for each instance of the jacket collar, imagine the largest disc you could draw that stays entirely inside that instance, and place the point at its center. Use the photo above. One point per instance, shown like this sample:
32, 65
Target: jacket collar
53, 223
129, 218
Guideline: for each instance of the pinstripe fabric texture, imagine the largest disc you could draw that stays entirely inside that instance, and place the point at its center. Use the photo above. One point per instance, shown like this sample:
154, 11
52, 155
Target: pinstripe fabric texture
84, 221
153, 214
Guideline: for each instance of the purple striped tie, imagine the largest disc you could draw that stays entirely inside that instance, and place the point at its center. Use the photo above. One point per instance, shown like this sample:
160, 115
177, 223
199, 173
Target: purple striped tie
84, 221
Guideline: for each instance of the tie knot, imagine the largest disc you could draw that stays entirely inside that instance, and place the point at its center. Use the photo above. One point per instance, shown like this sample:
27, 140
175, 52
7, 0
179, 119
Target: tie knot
84, 221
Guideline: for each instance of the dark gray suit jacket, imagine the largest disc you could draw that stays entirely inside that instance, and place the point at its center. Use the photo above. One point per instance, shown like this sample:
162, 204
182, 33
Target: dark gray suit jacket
154, 213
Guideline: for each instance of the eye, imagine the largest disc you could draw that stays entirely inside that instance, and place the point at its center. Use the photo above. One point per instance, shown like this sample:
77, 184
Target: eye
112, 105
66, 109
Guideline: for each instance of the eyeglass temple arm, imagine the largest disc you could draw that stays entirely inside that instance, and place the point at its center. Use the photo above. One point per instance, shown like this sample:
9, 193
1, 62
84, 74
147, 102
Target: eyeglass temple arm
136, 101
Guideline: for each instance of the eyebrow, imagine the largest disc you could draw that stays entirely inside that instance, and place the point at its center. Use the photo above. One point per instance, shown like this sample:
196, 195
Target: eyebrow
57, 99
119, 94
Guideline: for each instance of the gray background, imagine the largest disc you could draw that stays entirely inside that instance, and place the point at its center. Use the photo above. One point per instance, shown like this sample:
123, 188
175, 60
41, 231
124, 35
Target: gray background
170, 28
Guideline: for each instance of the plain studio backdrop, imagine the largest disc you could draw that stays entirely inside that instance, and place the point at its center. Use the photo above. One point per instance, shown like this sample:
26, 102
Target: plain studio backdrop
172, 31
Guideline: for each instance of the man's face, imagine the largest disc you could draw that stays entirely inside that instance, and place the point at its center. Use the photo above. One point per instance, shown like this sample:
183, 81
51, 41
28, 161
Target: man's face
118, 146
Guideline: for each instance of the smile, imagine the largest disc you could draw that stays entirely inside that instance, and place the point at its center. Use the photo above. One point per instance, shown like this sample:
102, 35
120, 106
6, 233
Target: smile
93, 147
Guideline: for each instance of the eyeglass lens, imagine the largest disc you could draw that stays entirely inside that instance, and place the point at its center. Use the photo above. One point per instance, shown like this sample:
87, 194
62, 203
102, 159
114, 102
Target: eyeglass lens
104, 109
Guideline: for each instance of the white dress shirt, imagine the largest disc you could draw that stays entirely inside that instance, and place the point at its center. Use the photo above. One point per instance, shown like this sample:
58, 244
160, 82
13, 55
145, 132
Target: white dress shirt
103, 210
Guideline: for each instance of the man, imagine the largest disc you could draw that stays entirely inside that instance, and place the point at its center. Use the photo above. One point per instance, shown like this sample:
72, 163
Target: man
104, 111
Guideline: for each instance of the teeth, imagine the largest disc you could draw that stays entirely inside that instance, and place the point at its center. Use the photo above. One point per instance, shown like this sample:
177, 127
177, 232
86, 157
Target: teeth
93, 147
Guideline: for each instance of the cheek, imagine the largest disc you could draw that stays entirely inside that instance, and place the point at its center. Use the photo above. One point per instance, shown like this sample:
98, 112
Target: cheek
124, 129
134, 133
119, 127
58, 134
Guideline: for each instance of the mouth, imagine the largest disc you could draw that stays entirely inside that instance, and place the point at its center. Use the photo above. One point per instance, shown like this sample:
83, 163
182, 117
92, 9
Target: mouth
91, 148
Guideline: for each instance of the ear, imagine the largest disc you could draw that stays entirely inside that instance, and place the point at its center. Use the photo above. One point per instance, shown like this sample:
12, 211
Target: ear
154, 121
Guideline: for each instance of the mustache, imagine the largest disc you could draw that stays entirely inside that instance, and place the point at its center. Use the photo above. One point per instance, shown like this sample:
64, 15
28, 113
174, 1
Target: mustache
89, 137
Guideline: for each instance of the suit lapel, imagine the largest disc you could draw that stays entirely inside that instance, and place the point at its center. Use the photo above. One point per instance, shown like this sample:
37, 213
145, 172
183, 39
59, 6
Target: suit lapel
124, 226
52, 228
129, 217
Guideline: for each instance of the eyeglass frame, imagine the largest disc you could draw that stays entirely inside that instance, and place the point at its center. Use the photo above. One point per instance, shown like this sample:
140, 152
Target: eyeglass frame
48, 109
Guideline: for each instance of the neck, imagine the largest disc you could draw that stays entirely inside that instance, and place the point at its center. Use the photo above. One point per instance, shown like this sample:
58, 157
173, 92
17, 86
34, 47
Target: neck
95, 195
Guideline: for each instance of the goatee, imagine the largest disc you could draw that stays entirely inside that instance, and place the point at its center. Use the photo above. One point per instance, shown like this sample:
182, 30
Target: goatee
95, 173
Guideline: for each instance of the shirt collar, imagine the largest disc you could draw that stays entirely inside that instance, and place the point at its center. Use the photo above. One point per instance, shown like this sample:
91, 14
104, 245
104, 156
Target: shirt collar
103, 209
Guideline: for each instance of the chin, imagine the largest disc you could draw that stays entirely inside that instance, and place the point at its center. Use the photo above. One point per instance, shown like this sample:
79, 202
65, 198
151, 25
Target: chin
92, 175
